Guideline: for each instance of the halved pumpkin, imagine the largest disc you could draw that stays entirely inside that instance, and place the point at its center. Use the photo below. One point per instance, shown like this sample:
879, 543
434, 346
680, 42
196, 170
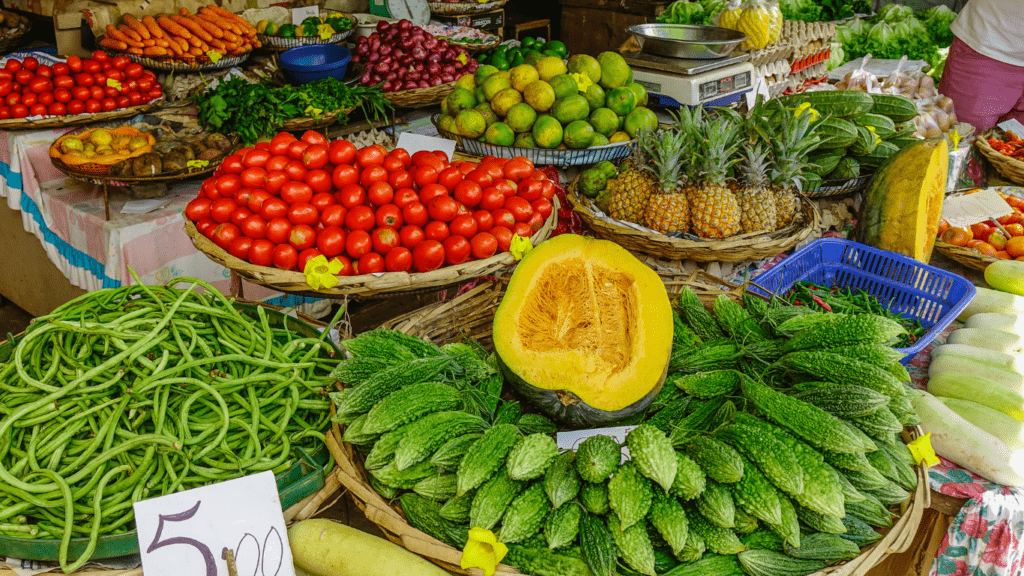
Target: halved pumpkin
584, 331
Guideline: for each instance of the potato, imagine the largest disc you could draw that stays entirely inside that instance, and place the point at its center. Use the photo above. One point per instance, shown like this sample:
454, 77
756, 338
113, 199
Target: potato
149, 164
175, 161
218, 141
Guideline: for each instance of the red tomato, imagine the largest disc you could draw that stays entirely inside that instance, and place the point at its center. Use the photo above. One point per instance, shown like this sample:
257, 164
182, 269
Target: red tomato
315, 156
380, 193
443, 208
530, 190
428, 255
220, 210
427, 158
347, 269
302, 237
456, 249
276, 163
372, 155
371, 174
97, 93
484, 220
319, 180
224, 234
24, 77
384, 239
285, 256
239, 216
503, 217
305, 256
404, 197
254, 177
398, 259
423, 175
274, 181
303, 213
118, 76
74, 63
344, 175
296, 192
469, 193
100, 56
393, 164
411, 236
401, 179
76, 107
12, 99
295, 170
278, 230
542, 207
29, 98
466, 167
109, 104
341, 152
273, 208
522, 229
431, 191
520, 208
389, 216
517, 169
450, 178
535, 222
256, 200
492, 199
145, 84
297, 149
507, 187
256, 158
436, 230
358, 244
331, 241
279, 144
240, 247
321, 201
464, 226
198, 209
133, 71
261, 252
360, 218
333, 215
206, 227
243, 196
111, 92
415, 214
12, 65
254, 227
123, 101
313, 137
63, 81
481, 177
351, 195
30, 63
61, 69
57, 109
232, 164
120, 62
19, 111
371, 263
37, 110
81, 93
6, 87
484, 245
5, 112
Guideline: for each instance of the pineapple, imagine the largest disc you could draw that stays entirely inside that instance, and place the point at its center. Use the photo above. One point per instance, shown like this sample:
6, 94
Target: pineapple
757, 22
714, 210
633, 188
758, 211
793, 143
668, 210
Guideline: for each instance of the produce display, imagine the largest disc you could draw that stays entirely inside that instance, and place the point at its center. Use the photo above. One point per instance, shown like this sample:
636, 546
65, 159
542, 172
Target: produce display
772, 446
102, 146
173, 158
581, 103
257, 109
402, 56
311, 27
131, 393
284, 202
529, 51
936, 117
701, 12
985, 237
1009, 145
74, 87
897, 31
200, 38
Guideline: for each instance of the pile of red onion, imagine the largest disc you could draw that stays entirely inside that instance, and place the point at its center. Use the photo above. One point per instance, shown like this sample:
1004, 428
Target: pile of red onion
402, 56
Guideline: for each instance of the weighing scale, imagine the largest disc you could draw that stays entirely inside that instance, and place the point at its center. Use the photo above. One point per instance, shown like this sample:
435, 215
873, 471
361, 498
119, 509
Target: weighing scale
675, 82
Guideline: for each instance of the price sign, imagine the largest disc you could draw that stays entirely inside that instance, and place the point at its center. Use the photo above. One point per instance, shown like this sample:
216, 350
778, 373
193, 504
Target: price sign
113, 84
570, 440
962, 211
192, 533
413, 143
300, 14
214, 56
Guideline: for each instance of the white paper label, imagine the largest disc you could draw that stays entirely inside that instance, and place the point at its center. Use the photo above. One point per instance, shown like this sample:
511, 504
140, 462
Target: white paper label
188, 533
413, 143
570, 440
300, 14
1012, 125
962, 211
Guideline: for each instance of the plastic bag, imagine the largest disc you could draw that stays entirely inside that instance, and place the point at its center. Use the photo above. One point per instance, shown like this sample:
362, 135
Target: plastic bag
860, 79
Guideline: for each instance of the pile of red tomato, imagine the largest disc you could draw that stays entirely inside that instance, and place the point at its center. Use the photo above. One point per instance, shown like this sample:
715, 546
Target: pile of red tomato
283, 202
77, 86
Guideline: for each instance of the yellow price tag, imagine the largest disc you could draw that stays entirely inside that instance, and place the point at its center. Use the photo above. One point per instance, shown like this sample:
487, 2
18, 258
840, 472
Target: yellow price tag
954, 137
214, 56
113, 84
462, 57
520, 246
197, 164
312, 112
583, 81
325, 31
922, 451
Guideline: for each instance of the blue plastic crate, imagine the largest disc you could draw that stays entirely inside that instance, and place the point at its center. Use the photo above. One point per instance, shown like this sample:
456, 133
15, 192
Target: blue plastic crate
904, 285
308, 63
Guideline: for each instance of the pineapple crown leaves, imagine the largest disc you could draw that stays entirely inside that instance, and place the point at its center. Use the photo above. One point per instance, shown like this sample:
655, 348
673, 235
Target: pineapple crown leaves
717, 151
755, 164
793, 142
666, 150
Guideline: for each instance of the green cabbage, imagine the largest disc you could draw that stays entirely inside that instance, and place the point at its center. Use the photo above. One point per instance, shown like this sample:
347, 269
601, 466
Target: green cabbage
895, 12
836, 58
938, 20
682, 12
800, 10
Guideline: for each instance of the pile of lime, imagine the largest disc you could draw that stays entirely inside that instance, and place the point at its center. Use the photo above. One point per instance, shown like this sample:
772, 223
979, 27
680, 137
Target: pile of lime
551, 104
530, 51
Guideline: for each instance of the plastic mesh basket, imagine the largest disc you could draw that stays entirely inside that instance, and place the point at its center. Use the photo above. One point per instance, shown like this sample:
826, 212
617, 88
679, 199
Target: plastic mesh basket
904, 285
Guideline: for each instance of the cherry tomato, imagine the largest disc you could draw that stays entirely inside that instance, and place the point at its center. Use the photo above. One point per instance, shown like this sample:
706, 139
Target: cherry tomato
19, 111
519, 207
415, 214
198, 209
120, 62
256, 200
491, 199
522, 229
535, 222
398, 259
12, 99
253, 177
100, 56
285, 256
411, 236
443, 208
431, 191
393, 164
61, 69
76, 107
384, 239
278, 230
206, 227
91, 67
423, 175
371, 174
372, 155
469, 193
261, 252
313, 137
274, 181
542, 207
333, 215
303, 213
389, 215
351, 195
224, 234
81, 93
254, 226
5, 112
344, 175
133, 71
302, 237
57, 109
450, 178
436, 230
484, 245
321, 201
12, 65
233, 164
404, 197
341, 152
331, 241
360, 218
276, 163
240, 247
296, 192
319, 181
256, 158
6, 87
38, 110
297, 149
428, 255
30, 63
380, 193
273, 208
74, 63
315, 156
371, 263
24, 77
358, 244
29, 99
97, 93
530, 190
295, 170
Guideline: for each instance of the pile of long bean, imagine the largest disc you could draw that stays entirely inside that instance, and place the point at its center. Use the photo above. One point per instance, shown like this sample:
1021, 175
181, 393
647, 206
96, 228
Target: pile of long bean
136, 392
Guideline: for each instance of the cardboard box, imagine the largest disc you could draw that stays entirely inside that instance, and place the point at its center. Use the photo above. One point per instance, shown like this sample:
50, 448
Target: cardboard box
67, 27
489, 21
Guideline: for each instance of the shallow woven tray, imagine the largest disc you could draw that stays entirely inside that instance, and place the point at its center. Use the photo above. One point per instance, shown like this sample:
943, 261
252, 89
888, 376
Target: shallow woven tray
475, 48
739, 248
1009, 168
170, 63
279, 44
969, 257
325, 120
9, 42
61, 121
464, 7
420, 97
100, 179
829, 188
471, 314
368, 285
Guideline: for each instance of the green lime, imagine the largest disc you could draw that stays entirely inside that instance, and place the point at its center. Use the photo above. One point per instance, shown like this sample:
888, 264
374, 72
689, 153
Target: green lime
479, 93
570, 109
500, 62
517, 59
522, 75
524, 140
592, 181
495, 84
585, 64
460, 99
619, 136
621, 100
547, 132
504, 100
539, 95
467, 81
615, 71
595, 96
640, 118
551, 53
482, 73
499, 134
604, 121
555, 46
640, 92
501, 49
608, 168
550, 66
579, 134
528, 42
489, 116
447, 123
599, 140
564, 85
533, 57
521, 117
471, 123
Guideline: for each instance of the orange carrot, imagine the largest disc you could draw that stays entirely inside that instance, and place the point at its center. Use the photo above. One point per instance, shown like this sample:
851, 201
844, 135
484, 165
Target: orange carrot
192, 27
150, 23
210, 27
114, 44
130, 32
173, 28
154, 51
134, 23
136, 51
115, 34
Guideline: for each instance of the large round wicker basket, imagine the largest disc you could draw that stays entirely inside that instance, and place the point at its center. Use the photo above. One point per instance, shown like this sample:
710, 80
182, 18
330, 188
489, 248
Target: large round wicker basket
471, 315
1009, 168
738, 248
420, 97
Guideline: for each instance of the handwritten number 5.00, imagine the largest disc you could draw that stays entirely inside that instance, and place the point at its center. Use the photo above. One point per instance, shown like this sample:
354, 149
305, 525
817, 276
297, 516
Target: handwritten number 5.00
208, 558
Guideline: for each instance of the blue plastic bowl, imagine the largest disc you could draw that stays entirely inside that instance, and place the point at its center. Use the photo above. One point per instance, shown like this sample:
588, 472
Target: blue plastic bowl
308, 63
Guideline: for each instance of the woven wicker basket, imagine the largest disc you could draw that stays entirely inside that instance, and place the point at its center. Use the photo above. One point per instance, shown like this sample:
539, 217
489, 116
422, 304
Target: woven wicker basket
325, 120
173, 64
739, 248
9, 42
65, 121
1009, 168
969, 257
420, 97
491, 41
464, 7
279, 44
471, 314
387, 285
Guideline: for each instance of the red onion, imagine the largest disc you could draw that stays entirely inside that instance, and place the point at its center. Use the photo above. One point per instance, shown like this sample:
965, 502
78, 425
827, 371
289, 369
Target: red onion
433, 57
435, 81
405, 60
381, 68
409, 85
373, 56
433, 68
386, 86
419, 66
390, 76
365, 80
418, 53
447, 77
382, 25
449, 68
413, 76
362, 50
398, 52
443, 44
404, 24
430, 43
424, 84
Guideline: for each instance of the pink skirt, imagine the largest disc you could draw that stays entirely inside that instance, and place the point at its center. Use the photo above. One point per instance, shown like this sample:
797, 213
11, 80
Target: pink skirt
984, 91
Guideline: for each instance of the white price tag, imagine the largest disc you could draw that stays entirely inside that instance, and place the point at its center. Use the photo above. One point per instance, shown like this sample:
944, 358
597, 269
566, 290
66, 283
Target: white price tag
413, 143
571, 439
1012, 125
300, 14
962, 211
189, 533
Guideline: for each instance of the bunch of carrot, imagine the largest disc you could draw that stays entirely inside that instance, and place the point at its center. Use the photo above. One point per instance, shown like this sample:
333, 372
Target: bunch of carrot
183, 36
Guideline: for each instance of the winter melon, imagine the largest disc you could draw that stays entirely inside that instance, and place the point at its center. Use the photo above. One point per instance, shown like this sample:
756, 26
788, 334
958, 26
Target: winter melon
584, 331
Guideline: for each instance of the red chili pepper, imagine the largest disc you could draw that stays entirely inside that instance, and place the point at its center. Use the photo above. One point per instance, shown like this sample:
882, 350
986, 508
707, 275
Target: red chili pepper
821, 303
